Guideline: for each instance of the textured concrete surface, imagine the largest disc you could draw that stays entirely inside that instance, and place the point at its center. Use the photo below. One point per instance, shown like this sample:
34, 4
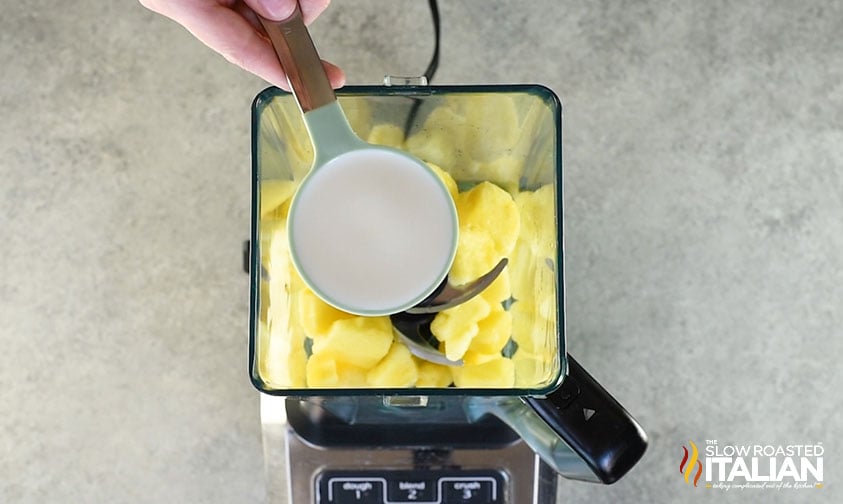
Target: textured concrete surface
704, 228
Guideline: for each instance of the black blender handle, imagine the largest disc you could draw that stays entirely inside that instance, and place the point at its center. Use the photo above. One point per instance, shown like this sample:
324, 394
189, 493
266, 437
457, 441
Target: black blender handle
594, 426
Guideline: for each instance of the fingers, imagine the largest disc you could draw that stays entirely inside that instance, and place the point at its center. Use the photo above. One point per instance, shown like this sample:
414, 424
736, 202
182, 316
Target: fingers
311, 9
335, 74
279, 10
275, 10
234, 31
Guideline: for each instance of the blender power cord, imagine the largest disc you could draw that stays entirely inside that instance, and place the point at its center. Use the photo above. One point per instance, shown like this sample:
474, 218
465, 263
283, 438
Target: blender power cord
434, 60
430, 71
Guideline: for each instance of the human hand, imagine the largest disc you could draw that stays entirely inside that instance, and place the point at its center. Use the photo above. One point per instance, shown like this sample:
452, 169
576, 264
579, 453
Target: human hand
232, 28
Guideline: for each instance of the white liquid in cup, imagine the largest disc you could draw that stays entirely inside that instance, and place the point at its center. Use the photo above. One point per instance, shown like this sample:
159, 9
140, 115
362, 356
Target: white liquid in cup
373, 232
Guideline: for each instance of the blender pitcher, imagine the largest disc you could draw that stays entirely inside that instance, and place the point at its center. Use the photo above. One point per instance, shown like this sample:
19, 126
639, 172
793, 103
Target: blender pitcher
354, 380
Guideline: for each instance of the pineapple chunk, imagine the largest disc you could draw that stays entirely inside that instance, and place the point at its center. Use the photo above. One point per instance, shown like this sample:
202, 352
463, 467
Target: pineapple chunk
440, 138
433, 375
534, 326
386, 134
457, 326
490, 208
322, 371
275, 192
317, 316
456, 347
359, 341
397, 369
447, 179
492, 125
473, 357
432, 146
359, 114
524, 326
282, 358
533, 370
538, 220
475, 256
489, 225
494, 332
497, 373
533, 277
522, 271
349, 376
459, 320
500, 290
505, 171
283, 118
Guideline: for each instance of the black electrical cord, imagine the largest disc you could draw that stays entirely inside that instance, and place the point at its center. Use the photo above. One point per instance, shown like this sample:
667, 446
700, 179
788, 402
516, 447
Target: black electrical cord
430, 71
434, 60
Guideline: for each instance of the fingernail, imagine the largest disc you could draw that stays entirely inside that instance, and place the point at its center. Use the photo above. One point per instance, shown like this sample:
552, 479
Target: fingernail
278, 10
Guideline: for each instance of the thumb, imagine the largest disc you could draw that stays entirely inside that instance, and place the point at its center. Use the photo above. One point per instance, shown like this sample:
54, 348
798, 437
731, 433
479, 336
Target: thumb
274, 10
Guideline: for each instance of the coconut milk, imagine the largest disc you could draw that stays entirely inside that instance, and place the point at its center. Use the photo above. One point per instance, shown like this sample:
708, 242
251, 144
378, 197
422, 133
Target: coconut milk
372, 231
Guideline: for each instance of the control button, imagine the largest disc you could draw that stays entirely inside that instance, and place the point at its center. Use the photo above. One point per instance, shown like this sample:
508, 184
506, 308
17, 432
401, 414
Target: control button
481, 490
355, 491
588, 413
411, 490
565, 394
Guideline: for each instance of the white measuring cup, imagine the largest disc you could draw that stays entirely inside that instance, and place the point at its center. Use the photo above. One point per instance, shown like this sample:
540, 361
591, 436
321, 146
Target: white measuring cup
372, 230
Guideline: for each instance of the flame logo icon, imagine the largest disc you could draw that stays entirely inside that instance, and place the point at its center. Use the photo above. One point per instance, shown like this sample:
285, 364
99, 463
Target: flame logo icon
686, 467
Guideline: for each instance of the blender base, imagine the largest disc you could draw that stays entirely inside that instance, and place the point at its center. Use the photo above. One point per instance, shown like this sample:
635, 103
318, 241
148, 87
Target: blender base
502, 470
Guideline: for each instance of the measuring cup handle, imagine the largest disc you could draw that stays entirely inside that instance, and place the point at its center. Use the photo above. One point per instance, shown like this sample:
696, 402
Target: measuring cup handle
301, 62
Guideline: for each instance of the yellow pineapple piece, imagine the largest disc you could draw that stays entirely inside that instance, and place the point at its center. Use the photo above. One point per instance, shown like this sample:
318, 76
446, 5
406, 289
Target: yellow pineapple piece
459, 320
433, 375
439, 140
447, 179
317, 316
538, 220
359, 114
283, 117
475, 255
285, 357
264, 301
524, 326
396, 369
275, 192
532, 277
281, 273
505, 171
534, 326
281, 361
386, 134
494, 332
457, 326
490, 121
490, 208
532, 370
349, 376
473, 357
495, 373
432, 146
359, 341
322, 371
456, 346
500, 290
489, 225
522, 271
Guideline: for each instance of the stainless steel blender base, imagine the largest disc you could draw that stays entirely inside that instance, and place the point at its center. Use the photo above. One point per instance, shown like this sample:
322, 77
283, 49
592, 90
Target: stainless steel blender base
301, 472
513, 474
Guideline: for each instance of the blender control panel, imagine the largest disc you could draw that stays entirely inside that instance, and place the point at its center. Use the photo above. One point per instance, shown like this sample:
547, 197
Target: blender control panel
417, 486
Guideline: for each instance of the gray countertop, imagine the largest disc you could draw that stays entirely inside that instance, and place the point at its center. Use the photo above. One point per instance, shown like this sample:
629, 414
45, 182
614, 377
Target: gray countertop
703, 226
